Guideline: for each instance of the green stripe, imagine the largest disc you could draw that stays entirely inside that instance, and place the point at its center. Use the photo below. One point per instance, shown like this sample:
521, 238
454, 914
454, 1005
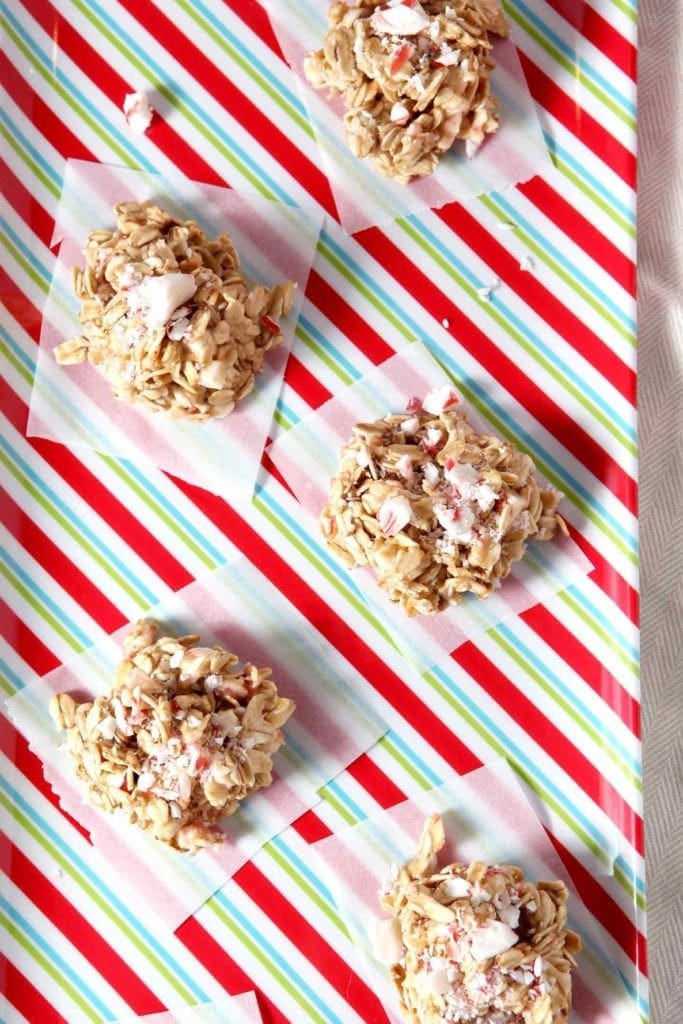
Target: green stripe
336, 804
244, 940
612, 641
307, 553
531, 781
304, 885
93, 894
22, 370
594, 196
7, 686
28, 269
626, 9
366, 292
322, 355
35, 954
173, 101
75, 534
166, 517
576, 73
516, 336
400, 758
29, 161
97, 127
565, 276
243, 63
37, 607
566, 707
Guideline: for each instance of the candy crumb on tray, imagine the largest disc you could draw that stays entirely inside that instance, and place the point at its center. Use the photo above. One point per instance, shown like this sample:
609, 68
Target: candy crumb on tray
185, 734
475, 943
435, 509
414, 77
138, 112
169, 316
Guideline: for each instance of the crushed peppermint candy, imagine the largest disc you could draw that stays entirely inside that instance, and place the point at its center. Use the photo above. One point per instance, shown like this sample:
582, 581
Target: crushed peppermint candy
393, 514
182, 738
399, 18
439, 399
456, 960
156, 298
138, 112
526, 263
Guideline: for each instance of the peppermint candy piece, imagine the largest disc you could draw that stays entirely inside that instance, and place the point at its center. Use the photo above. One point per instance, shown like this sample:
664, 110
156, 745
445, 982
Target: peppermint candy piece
393, 514
399, 18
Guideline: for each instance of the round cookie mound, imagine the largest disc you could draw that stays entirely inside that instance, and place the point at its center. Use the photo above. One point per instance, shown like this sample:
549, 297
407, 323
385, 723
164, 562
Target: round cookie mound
433, 507
185, 734
169, 316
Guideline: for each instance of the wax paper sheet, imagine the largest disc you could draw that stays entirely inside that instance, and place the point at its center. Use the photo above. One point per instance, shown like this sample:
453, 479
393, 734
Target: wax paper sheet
308, 455
514, 154
74, 404
237, 608
486, 817
242, 1009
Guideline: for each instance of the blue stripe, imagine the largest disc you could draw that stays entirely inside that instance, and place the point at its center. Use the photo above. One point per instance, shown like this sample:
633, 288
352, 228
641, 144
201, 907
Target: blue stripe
76, 521
17, 350
30, 149
53, 956
628, 106
570, 696
328, 347
283, 411
524, 329
188, 100
53, 69
98, 882
579, 169
347, 801
531, 769
260, 940
11, 676
44, 598
576, 272
410, 754
29, 256
303, 869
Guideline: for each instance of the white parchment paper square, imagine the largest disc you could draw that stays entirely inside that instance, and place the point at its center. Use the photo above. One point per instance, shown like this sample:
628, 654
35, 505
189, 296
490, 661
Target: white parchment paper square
238, 608
486, 817
74, 404
307, 456
515, 153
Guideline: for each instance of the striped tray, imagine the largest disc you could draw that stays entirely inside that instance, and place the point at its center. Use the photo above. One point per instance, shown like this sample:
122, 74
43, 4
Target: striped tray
91, 541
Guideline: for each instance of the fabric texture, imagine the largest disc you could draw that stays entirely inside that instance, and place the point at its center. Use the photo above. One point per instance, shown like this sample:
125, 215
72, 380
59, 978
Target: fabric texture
660, 287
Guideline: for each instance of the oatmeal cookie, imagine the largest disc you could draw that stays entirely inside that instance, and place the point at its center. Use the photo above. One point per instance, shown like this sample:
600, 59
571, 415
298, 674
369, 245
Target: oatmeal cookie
434, 508
414, 77
475, 943
169, 316
185, 734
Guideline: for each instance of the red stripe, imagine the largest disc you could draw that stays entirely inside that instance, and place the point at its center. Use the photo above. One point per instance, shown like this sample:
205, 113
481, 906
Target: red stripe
530, 289
550, 738
100, 499
575, 119
38, 888
585, 664
27, 645
584, 234
65, 573
598, 31
25, 997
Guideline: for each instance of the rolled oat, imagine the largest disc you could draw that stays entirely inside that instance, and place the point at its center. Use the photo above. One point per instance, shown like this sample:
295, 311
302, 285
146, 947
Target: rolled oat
185, 734
476, 943
414, 77
434, 508
169, 316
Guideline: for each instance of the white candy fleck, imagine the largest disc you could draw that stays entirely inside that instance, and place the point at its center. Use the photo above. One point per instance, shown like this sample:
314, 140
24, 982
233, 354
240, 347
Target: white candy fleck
491, 939
439, 399
138, 112
387, 944
526, 263
431, 473
393, 514
409, 426
155, 299
398, 18
400, 113
455, 888
445, 323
